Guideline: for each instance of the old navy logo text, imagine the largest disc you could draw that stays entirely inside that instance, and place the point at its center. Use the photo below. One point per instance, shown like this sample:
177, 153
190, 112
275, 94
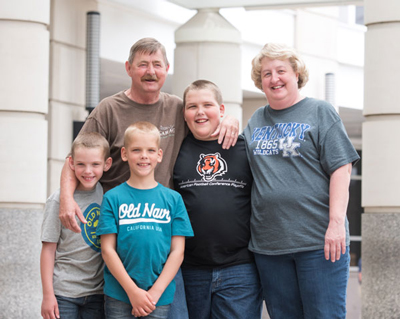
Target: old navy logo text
131, 214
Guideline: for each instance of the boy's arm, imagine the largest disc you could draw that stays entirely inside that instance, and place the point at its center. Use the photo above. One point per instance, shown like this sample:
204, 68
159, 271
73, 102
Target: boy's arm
141, 300
49, 303
68, 206
171, 267
335, 237
227, 131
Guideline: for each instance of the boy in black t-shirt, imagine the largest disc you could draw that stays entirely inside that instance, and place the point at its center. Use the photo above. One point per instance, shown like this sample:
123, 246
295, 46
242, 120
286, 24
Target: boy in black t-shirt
221, 280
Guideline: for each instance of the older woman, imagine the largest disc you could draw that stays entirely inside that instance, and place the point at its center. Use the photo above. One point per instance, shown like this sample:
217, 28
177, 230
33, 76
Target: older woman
301, 159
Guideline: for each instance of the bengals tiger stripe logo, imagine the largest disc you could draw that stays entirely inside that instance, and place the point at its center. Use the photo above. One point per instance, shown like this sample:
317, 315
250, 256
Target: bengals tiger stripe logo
211, 165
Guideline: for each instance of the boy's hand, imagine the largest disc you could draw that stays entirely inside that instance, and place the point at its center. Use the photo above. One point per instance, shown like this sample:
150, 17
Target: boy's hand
142, 303
68, 210
228, 131
50, 308
155, 295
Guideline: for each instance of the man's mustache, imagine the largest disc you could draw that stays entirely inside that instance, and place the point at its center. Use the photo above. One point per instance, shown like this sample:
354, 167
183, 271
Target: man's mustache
149, 78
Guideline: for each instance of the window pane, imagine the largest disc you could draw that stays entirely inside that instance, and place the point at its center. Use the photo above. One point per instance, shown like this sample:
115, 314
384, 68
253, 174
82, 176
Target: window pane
354, 210
357, 167
355, 252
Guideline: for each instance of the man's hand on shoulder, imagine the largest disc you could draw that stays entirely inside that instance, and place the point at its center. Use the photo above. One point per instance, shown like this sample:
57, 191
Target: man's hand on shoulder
68, 210
68, 206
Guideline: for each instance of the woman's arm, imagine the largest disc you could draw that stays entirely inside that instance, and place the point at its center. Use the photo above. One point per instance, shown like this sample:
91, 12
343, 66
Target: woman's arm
335, 237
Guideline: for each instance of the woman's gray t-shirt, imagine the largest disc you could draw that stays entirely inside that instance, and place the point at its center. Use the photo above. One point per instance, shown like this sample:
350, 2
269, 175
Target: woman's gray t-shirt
292, 153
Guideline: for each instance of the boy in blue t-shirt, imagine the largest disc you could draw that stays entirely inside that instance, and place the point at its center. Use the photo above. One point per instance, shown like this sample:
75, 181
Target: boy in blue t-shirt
71, 266
143, 227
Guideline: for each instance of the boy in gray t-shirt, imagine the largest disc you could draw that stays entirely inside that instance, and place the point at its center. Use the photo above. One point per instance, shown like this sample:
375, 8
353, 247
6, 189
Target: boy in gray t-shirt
71, 265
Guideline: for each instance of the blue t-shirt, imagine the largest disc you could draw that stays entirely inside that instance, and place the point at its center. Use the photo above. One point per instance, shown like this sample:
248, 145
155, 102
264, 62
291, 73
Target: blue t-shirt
144, 221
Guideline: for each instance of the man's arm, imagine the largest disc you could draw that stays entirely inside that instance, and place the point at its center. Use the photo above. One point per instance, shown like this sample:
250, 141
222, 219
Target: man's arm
228, 131
68, 206
171, 267
141, 300
335, 237
49, 304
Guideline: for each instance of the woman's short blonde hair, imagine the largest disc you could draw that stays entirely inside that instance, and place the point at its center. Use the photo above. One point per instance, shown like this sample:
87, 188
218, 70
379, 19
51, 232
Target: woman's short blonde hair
277, 51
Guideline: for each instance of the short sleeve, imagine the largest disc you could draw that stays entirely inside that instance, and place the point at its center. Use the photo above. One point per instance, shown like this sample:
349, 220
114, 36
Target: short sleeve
107, 220
51, 226
181, 224
92, 125
337, 149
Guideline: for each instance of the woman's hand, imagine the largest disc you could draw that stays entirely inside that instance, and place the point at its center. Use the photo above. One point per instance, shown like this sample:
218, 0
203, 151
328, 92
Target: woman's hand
335, 241
228, 131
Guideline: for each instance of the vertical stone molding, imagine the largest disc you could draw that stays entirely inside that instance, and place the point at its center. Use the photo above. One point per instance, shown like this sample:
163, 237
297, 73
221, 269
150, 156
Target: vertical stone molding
381, 176
67, 79
24, 65
208, 47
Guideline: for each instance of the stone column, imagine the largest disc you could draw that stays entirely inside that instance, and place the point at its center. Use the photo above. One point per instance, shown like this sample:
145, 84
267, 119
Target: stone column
24, 65
380, 170
208, 47
67, 79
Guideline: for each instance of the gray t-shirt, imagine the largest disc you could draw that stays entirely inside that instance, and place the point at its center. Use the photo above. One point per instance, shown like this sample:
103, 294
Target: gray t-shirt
292, 153
78, 268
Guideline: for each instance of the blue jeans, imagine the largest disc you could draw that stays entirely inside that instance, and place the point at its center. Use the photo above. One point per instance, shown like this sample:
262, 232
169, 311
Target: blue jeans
223, 293
304, 285
178, 307
116, 309
89, 307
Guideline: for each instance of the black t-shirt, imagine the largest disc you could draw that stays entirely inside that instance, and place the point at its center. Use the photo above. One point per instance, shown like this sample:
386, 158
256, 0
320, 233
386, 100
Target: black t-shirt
215, 185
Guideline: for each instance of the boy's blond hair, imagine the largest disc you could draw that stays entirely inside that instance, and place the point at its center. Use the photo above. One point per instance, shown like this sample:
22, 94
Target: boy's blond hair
144, 127
204, 85
91, 140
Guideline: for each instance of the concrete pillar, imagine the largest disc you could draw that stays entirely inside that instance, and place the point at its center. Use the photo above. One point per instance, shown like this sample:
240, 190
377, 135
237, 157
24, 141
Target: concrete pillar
24, 65
380, 171
67, 79
208, 47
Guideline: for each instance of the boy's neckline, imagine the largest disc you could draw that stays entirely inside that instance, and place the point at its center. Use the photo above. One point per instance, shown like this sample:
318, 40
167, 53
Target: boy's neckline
143, 186
86, 190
